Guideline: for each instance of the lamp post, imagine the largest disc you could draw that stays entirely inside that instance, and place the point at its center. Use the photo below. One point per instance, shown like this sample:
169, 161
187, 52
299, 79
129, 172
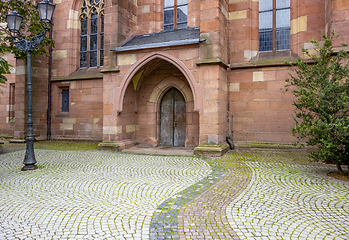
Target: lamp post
14, 21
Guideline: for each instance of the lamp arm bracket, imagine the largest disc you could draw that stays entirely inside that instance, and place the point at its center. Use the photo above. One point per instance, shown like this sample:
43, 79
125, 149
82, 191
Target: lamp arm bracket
21, 45
25, 46
37, 39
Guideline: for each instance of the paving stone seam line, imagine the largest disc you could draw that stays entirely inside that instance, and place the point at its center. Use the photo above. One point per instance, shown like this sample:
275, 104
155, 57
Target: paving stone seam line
164, 223
210, 220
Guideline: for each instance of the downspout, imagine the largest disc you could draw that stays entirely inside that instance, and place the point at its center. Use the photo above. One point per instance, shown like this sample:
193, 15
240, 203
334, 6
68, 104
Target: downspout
231, 141
49, 121
228, 139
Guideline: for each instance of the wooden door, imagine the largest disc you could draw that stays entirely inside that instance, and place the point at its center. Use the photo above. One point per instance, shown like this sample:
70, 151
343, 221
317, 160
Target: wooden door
172, 119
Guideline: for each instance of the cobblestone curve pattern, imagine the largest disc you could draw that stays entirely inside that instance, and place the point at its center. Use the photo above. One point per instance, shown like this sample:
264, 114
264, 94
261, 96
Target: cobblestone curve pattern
291, 202
204, 217
89, 195
164, 224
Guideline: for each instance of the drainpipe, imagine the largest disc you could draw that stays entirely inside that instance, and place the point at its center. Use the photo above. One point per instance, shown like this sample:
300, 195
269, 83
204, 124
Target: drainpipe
231, 141
49, 121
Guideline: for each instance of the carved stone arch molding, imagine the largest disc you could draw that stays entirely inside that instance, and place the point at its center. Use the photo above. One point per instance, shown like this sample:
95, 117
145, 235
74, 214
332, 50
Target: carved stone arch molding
196, 88
166, 84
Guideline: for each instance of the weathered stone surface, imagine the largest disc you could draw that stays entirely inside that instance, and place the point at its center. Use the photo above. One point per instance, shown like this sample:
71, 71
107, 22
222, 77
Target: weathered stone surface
109, 145
211, 150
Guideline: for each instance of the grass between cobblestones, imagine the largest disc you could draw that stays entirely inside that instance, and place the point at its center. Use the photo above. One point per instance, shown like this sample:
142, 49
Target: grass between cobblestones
67, 146
287, 192
288, 197
290, 157
52, 145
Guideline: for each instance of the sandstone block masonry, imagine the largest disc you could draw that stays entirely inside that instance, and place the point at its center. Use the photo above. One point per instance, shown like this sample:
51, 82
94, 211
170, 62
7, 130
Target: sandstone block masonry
112, 73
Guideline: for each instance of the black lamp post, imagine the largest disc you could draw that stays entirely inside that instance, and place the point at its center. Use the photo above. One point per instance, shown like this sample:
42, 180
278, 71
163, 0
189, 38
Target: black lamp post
14, 21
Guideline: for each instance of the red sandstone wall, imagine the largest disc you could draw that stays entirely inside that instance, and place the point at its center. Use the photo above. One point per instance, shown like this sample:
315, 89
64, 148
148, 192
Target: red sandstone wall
337, 19
262, 111
7, 127
84, 119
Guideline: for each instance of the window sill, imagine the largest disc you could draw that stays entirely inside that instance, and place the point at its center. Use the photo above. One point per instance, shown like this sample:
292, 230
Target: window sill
63, 114
268, 59
285, 54
81, 74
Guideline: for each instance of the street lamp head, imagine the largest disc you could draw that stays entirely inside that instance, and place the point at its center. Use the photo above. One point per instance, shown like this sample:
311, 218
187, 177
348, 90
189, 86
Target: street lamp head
14, 21
46, 9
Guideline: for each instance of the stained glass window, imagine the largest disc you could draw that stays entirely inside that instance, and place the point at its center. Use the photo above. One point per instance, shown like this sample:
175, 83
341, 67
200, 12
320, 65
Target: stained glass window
274, 25
92, 33
175, 14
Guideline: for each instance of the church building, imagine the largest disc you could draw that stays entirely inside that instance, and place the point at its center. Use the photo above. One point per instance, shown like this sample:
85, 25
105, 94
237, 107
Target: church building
186, 73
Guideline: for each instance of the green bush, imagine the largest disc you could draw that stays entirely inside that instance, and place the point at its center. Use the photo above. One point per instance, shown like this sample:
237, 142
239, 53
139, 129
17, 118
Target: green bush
322, 91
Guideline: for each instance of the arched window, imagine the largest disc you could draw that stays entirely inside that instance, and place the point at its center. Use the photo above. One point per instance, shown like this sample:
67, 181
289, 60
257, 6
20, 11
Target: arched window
92, 33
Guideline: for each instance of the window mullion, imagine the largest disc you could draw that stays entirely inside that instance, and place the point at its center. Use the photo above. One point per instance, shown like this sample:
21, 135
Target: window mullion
175, 14
98, 41
274, 25
88, 41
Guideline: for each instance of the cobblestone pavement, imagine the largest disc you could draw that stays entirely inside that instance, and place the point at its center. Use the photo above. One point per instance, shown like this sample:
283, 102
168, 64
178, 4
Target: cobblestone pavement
102, 195
164, 222
286, 201
89, 195
204, 217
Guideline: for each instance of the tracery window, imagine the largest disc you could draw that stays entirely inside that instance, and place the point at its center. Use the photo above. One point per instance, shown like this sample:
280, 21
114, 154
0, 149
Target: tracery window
92, 33
274, 25
175, 14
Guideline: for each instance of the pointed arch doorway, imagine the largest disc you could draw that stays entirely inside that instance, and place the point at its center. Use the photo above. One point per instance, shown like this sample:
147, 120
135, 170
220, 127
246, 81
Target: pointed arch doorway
173, 119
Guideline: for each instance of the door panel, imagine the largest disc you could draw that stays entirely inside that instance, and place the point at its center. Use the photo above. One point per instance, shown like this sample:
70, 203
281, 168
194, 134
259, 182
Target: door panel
173, 119
166, 118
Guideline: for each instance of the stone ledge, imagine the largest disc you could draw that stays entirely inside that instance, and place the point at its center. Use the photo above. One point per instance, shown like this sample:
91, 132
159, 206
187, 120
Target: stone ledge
18, 140
270, 146
212, 150
117, 146
110, 70
274, 145
109, 146
77, 139
128, 143
268, 63
213, 61
81, 74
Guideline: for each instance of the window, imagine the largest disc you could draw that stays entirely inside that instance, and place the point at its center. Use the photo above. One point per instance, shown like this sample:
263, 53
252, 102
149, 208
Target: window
92, 33
274, 25
65, 100
175, 14
11, 109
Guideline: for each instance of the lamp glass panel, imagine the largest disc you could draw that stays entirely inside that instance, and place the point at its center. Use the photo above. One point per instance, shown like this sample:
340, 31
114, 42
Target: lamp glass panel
14, 22
18, 22
42, 11
11, 21
50, 9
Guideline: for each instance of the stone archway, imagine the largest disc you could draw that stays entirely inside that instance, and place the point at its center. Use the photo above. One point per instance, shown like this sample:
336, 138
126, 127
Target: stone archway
191, 116
196, 88
137, 96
